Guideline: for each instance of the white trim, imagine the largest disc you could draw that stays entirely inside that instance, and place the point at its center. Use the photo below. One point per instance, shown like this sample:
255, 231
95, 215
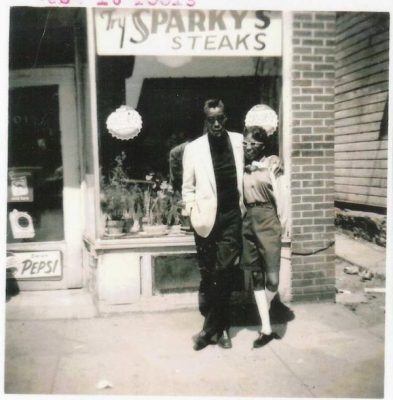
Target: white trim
91, 50
286, 266
37, 246
80, 114
64, 78
287, 104
169, 243
146, 276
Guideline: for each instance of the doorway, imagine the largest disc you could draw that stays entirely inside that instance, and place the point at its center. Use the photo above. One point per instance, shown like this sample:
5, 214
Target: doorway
44, 229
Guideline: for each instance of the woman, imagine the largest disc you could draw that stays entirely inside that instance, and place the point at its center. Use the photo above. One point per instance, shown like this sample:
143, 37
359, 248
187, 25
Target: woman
265, 219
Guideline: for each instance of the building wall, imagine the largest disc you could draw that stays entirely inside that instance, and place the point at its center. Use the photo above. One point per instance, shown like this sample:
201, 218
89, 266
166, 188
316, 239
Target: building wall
362, 68
312, 172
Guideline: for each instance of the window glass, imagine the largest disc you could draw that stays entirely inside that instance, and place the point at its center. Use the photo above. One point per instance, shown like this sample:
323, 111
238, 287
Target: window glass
141, 177
35, 173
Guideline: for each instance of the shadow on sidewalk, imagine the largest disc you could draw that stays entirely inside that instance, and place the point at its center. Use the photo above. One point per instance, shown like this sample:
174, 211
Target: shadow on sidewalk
11, 287
245, 314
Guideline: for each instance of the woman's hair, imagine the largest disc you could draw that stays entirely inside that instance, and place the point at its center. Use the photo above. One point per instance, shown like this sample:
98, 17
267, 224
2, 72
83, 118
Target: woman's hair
257, 133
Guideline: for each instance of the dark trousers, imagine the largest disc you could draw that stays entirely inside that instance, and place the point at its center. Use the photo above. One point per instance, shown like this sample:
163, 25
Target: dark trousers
216, 257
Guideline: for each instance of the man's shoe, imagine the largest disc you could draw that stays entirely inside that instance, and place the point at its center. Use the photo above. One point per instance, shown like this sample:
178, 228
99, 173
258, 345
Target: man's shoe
225, 340
264, 339
201, 341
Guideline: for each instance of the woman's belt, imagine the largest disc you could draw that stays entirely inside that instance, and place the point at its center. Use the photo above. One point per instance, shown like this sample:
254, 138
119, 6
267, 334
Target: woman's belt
257, 204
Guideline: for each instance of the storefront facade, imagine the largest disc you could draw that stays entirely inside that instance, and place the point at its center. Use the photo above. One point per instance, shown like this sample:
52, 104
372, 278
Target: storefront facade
75, 174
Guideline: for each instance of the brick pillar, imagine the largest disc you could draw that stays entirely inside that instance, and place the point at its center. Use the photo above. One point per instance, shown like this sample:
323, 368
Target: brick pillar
312, 173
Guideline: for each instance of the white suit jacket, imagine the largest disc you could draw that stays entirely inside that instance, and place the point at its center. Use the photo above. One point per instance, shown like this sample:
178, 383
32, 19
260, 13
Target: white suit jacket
199, 183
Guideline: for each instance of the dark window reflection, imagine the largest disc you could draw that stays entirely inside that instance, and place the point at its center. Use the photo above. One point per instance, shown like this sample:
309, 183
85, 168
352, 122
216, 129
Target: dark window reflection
35, 173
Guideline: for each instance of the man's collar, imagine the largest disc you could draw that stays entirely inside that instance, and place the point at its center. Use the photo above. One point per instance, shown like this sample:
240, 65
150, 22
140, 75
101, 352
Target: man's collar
220, 139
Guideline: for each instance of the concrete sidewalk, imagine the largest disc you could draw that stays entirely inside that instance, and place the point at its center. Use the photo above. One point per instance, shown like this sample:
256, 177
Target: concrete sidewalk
57, 344
325, 351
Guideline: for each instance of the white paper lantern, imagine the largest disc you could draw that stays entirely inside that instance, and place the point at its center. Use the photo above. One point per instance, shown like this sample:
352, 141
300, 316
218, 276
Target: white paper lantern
263, 116
124, 123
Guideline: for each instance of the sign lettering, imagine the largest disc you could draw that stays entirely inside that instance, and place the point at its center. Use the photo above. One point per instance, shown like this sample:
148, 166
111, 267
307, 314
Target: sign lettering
37, 265
188, 32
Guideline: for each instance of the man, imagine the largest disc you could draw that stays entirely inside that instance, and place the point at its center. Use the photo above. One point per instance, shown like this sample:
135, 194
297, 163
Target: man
213, 196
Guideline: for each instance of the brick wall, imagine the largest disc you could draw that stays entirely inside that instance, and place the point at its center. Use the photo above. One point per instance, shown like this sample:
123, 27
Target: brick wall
312, 175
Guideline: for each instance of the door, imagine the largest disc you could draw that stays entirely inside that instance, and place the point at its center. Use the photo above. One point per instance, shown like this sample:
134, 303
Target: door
44, 229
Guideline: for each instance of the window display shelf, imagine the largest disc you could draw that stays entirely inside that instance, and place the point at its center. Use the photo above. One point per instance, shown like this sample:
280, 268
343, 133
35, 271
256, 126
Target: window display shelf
143, 243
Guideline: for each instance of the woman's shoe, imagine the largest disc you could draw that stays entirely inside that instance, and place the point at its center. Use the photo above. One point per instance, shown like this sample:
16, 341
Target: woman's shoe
264, 339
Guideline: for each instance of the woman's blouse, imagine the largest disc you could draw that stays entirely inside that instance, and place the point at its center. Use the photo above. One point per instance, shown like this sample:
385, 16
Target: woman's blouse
257, 186
260, 184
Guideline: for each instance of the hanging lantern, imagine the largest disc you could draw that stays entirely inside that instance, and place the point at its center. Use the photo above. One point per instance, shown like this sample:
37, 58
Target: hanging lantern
124, 123
263, 116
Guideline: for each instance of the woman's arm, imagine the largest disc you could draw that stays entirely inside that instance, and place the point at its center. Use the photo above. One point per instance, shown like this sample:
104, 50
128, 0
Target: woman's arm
281, 194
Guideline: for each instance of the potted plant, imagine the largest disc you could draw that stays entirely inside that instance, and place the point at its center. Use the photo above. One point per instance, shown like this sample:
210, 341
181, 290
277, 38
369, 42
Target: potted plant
162, 206
134, 211
114, 198
149, 204
122, 200
154, 206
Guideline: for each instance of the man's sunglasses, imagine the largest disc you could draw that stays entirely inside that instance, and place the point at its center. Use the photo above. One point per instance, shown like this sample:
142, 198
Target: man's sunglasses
219, 118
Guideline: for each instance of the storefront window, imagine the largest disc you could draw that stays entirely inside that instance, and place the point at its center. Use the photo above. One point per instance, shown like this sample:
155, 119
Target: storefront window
139, 184
175, 274
35, 173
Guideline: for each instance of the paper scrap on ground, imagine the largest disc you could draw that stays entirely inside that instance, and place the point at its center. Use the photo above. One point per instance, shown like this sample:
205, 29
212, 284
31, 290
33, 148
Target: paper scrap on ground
104, 384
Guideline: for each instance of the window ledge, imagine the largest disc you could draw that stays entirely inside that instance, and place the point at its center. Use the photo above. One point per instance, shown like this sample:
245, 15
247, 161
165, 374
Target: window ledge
142, 243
